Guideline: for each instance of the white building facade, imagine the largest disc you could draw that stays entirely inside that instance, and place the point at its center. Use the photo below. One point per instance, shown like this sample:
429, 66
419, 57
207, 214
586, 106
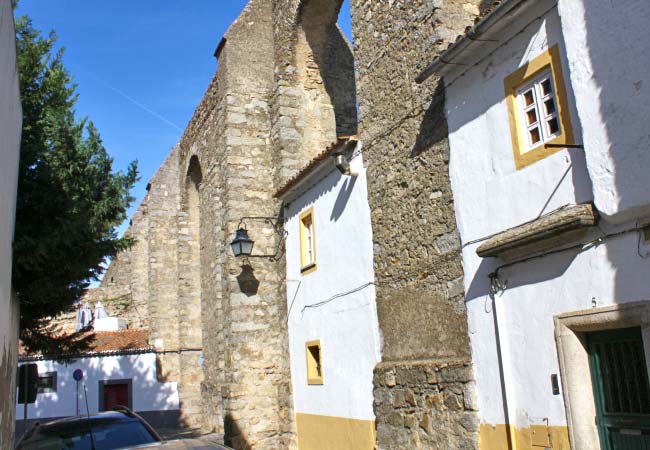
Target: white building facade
547, 105
332, 318
10, 131
121, 370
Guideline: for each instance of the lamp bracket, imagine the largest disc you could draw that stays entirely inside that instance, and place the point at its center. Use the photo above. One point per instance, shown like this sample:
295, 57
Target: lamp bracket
277, 222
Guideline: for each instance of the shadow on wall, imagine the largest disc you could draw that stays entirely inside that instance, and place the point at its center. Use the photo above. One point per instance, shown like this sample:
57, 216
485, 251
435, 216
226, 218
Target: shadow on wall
334, 58
537, 271
7, 370
433, 128
342, 198
248, 284
233, 434
626, 143
622, 92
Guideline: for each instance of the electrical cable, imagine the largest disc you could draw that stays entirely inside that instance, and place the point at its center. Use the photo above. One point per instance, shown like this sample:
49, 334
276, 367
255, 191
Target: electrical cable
503, 44
294, 300
485, 238
638, 243
429, 100
336, 296
498, 286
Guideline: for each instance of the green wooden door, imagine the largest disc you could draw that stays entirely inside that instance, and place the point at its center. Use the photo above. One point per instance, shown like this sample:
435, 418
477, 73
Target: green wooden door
620, 378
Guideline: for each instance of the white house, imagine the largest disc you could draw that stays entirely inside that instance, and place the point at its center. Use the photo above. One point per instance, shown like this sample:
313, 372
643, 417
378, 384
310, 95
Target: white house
547, 104
332, 318
119, 369
10, 127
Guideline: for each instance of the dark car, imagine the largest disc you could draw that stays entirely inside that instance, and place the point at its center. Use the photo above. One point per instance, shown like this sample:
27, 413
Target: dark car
103, 431
181, 444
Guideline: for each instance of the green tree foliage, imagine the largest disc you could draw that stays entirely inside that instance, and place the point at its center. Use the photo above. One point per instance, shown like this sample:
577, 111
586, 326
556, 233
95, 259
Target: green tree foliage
69, 199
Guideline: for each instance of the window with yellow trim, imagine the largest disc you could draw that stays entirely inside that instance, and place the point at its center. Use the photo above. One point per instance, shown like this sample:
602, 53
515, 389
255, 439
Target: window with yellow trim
314, 363
538, 109
307, 241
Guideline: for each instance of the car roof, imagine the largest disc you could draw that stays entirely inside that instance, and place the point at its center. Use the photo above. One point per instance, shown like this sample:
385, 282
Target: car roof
181, 444
107, 416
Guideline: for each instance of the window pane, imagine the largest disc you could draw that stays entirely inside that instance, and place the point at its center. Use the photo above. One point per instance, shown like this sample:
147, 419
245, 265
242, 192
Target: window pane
531, 116
47, 382
549, 106
534, 135
553, 126
546, 87
529, 98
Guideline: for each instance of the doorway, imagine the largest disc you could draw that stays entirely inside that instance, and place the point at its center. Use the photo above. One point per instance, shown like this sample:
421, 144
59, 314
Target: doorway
114, 393
621, 389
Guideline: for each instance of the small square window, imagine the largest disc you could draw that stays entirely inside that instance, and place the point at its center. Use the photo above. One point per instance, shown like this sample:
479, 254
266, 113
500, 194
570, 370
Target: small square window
47, 382
538, 101
314, 363
307, 242
537, 108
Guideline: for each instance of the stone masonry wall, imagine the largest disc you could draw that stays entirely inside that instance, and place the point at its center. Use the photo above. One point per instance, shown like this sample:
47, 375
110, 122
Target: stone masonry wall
284, 90
417, 250
246, 370
314, 99
124, 289
426, 404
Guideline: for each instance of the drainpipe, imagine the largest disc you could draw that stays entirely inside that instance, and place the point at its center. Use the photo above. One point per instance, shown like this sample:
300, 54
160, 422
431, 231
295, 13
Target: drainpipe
510, 439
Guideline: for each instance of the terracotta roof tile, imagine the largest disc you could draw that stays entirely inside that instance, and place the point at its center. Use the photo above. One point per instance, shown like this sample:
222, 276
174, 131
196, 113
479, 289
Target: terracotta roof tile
108, 342
311, 165
130, 339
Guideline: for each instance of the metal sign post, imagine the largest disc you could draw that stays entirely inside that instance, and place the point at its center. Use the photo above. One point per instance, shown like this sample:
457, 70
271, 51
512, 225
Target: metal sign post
25, 382
78, 376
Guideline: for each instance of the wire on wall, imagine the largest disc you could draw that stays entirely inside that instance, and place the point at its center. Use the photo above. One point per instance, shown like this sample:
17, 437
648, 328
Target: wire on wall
295, 294
490, 236
498, 286
439, 97
336, 296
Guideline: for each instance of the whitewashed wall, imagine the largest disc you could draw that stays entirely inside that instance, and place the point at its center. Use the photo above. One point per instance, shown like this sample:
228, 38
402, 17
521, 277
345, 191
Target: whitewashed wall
491, 196
148, 393
347, 327
607, 44
10, 127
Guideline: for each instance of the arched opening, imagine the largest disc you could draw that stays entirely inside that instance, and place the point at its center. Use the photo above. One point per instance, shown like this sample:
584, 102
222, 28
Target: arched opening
189, 297
325, 71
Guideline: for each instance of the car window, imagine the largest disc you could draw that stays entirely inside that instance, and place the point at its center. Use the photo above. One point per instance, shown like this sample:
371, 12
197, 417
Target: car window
106, 436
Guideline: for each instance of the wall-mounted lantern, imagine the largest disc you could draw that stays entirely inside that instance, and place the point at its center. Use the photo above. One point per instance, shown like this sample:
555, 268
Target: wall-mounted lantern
345, 161
242, 244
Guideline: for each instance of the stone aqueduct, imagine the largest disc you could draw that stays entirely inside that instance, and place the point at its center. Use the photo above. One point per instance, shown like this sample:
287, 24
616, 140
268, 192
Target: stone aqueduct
286, 86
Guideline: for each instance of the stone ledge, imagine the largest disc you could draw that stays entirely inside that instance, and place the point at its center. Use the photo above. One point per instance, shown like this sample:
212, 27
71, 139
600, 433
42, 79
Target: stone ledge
551, 231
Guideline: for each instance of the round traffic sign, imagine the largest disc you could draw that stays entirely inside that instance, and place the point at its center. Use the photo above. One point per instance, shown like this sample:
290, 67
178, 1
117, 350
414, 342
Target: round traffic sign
77, 375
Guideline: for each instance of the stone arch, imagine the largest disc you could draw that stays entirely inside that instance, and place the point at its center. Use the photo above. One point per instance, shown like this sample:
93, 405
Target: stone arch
190, 334
324, 61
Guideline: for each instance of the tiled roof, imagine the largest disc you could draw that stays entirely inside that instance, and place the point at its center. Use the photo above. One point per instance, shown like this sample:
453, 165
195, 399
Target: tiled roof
311, 165
130, 339
134, 340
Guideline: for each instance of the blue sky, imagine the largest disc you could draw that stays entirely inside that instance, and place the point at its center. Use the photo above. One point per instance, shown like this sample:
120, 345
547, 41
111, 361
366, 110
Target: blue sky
141, 67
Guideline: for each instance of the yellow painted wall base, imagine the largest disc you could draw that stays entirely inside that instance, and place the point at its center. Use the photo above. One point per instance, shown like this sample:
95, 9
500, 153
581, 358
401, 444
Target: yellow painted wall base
334, 433
505, 437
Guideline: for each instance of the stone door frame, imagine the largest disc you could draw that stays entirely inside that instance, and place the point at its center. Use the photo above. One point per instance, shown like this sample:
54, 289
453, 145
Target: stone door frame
570, 338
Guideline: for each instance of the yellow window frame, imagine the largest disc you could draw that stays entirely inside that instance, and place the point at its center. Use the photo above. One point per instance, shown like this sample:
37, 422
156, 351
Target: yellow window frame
307, 265
314, 363
550, 59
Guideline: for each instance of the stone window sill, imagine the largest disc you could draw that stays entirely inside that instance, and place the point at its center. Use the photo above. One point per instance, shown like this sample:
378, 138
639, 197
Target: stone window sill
546, 233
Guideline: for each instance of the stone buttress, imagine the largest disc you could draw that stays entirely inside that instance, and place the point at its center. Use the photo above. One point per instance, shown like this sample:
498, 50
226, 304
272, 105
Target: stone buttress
424, 388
